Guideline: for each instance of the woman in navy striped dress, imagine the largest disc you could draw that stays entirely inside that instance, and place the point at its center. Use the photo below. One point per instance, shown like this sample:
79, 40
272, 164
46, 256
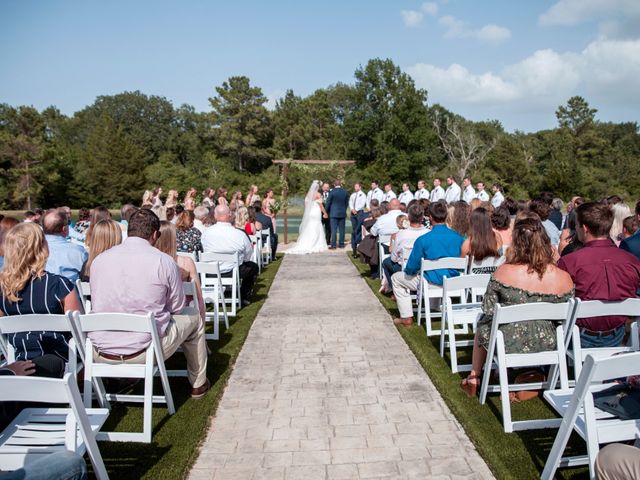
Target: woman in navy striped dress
26, 288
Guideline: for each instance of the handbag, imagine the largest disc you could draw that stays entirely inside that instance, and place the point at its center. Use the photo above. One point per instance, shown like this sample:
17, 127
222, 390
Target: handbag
531, 376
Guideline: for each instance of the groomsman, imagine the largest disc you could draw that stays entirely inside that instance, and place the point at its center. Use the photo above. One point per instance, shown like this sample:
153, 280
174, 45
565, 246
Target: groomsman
375, 192
325, 221
421, 192
482, 194
406, 196
357, 204
498, 197
453, 192
389, 194
438, 192
468, 193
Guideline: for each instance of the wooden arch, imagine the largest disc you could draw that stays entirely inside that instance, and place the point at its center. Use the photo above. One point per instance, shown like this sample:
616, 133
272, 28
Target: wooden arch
285, 172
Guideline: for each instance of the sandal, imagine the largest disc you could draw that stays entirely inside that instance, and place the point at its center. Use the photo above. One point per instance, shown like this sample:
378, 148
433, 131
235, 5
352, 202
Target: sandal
470, 385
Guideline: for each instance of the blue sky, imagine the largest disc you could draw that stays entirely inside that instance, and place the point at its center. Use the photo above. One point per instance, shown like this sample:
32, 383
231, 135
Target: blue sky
514, 61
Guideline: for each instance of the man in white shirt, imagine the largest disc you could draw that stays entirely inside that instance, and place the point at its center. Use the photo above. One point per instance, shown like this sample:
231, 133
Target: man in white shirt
374, 193
498, 197
386, 224
406, 196
200, 213
453, 192
438, 192
421, 192
482, 194
223, 237
389, 194
357, 204
468, 193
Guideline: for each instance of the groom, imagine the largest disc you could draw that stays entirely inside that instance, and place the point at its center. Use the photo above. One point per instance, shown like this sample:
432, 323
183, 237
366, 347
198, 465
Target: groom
337, 203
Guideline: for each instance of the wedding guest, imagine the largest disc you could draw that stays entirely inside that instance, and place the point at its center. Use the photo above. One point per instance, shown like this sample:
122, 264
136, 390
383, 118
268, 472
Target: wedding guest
501, 222
208, 198
188, 237
200, 214
265, 222
236, 201
461, 218
453, 191
374, 194
482, 194
405, 196
125, 214
528, 276
618, 461
147, 198
252, 224
137, 278
542, 209
475, 203
498, 196
224, 238
26, 287
29, 217
156, 202
601, 272
221, 194
421, 192
555, 215
252, 196
190, 200
631, 244
84, 221
172, 199
167, 243
267, 207
620, 212
242, 221
630, 226
440, 242
386, 224
64, 257
98, 213
72, 234
106, 234
569, 239
468, 193
438, 192
6, 224
482, 241
170, 214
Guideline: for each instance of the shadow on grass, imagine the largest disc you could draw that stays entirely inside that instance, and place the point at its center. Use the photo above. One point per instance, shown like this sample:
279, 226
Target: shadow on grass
519, 455
176, 437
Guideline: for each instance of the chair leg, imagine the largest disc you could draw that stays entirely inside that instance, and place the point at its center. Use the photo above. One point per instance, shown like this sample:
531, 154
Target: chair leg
147, 412
504, 389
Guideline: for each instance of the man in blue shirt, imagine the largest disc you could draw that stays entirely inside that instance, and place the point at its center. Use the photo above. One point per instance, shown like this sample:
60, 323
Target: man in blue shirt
440, 242
65, 258
632, 244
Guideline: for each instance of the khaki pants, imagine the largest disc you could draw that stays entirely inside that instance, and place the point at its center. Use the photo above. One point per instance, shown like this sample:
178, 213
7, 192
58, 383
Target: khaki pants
185, 330
618, 462
403, 285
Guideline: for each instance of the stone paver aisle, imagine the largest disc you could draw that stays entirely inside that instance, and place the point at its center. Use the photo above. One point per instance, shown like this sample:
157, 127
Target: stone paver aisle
325, 387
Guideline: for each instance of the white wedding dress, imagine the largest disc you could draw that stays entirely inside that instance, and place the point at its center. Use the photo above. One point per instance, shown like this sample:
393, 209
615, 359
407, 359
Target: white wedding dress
311, 238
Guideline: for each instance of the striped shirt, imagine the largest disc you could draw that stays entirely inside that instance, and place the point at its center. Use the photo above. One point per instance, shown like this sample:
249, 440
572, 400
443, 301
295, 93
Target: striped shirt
43, 295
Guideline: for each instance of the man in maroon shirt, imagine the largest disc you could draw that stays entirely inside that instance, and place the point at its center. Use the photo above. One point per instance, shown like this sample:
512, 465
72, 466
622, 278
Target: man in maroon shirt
600, 271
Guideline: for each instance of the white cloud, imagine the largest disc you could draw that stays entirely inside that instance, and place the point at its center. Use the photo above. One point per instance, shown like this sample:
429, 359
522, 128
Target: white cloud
411, 18
456, 28
573, 12
273, 97
430, 8
606, 72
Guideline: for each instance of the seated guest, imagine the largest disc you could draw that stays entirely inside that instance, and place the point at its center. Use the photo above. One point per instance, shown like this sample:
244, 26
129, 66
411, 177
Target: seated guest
167, 244
483, 243
501, 223
630, 226
6, 224
25, 287
137, 278
528, 276
601, 272
555, 214
170, 213
461, 218
386, 224
246, 220
402, 240
630, 244
542, 209
84, 221
620, 212
97, 214
30, 217
224, 238
440, 242
618, 461
188, 237
65, 257
569, 240
73, 234
265, 222
200, 214
125, 214
106, 234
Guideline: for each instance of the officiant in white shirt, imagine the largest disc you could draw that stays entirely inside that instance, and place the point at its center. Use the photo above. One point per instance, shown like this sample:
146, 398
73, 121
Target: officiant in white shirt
453, 192
421, 192
374, 193
482, 194
357, 204
468, 193
406, 196
389, 194
438, 192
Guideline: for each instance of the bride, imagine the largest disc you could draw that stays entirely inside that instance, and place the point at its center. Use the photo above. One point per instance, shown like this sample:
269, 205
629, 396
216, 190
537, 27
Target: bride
311, 238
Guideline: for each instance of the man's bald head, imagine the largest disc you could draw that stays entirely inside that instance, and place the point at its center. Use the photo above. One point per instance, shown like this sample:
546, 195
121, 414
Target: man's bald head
55, 222
394, 204
222, 213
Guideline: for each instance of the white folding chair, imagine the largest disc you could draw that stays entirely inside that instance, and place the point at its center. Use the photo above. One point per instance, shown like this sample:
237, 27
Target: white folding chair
256, 254
596, 308
429, 291
213, 292
192, 255
486, 265
560, 312
154, 362
84, 292
579, 413
37, 432
462, 318
383, 241
233, 282
266, 246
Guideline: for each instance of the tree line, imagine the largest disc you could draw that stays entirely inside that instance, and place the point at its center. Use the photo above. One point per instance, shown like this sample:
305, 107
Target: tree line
111, 151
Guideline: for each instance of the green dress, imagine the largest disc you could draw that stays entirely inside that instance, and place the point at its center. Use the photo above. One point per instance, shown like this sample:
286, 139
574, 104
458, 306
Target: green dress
522, 337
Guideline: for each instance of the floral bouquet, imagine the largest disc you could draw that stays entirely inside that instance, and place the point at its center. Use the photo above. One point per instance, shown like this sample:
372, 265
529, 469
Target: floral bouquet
275, 207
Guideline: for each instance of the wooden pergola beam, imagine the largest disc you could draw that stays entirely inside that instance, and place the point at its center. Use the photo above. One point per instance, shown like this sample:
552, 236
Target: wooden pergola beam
285, 171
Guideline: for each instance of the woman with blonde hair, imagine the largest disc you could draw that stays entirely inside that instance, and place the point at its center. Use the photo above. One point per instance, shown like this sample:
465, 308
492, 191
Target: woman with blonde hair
106, 234
147, 198
620, 212
98, 214
190, 200
26, 288
167, 244
252, 196
236, 201
222, 197
172, 199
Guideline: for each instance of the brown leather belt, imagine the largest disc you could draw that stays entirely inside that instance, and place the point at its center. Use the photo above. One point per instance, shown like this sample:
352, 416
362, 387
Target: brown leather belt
604, 333
121, 358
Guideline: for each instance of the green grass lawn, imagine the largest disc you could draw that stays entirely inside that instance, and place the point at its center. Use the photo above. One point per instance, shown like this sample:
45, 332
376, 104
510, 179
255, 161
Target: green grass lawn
516, 455
175, 441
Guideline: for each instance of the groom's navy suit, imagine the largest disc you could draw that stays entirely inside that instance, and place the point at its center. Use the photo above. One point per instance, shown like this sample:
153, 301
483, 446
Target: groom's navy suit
337, 204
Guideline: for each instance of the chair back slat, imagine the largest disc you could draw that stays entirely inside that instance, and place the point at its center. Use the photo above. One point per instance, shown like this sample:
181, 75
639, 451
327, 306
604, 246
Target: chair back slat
598, 308
453, 263
32, 389
34, 322
115, 322
467, 281
532, 311
219, 257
